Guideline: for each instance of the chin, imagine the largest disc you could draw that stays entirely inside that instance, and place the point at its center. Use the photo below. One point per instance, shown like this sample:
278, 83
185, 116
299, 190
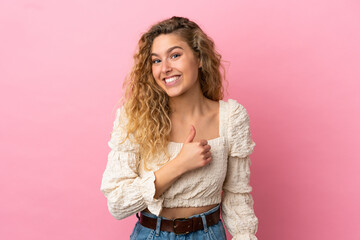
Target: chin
173, 94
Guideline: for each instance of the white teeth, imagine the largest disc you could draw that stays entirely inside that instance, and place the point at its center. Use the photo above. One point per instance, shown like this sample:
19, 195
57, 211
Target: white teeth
171, 79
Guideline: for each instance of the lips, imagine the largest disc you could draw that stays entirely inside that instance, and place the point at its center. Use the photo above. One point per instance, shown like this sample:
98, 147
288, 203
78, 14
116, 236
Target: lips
172, 80
170, 77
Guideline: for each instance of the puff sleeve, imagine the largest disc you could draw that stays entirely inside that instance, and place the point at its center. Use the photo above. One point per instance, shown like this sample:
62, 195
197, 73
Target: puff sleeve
127, 193
237, 203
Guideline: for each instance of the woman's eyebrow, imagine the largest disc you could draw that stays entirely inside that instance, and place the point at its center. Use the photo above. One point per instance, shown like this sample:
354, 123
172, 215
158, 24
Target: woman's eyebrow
169, 50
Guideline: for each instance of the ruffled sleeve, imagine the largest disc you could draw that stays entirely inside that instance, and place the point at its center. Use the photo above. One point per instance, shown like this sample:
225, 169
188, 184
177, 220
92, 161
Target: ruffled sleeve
237, 204
127, 193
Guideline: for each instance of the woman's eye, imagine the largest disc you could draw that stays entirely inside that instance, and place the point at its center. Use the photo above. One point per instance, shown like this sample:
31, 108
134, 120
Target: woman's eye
157, 60
175, 55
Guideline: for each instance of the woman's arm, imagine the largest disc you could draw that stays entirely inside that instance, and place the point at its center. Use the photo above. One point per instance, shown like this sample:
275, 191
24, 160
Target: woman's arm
237, 205
127, 193
237, 208
166, 176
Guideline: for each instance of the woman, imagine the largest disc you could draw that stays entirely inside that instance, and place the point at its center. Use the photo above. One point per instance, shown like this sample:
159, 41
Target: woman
176, 145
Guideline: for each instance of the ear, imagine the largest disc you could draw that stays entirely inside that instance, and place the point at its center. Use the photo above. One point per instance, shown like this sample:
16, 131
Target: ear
200, 63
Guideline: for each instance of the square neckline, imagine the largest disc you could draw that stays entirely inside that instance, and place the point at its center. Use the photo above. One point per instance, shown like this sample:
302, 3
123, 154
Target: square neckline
220, 124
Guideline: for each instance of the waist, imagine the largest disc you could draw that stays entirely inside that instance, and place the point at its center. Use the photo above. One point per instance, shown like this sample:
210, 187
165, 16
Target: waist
181, 225
183, 212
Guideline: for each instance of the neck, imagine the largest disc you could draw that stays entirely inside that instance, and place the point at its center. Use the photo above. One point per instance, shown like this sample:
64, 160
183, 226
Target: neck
191, 104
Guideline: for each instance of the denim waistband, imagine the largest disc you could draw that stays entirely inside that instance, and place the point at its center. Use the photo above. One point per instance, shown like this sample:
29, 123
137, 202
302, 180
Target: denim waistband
214, 209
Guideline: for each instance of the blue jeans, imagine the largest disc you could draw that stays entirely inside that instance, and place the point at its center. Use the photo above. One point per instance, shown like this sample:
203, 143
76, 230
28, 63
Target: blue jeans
214, 232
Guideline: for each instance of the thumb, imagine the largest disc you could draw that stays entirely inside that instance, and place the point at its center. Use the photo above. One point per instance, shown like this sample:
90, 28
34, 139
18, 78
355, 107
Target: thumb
191, 135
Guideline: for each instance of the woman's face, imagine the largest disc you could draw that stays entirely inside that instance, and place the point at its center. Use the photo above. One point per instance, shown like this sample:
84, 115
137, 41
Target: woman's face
174, 65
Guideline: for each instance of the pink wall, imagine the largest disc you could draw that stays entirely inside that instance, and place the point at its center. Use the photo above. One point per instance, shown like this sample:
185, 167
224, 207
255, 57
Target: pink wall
293, 64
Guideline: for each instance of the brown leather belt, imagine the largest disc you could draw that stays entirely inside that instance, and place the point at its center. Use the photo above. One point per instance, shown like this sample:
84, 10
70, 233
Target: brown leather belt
181, 225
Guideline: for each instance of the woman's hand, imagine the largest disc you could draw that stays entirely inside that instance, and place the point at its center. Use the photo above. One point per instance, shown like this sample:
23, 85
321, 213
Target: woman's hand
193, 155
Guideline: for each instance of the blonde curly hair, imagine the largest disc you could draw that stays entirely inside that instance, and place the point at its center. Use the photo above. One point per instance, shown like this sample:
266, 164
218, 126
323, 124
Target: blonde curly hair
147, 104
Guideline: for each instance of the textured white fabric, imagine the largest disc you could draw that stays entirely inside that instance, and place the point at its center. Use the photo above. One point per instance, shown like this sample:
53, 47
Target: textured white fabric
129, 188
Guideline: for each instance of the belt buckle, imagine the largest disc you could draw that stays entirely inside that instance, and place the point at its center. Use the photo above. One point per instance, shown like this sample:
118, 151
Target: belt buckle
174, 225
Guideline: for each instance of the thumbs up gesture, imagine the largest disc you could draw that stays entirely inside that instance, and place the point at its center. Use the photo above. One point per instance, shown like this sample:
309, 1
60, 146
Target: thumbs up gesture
193, 155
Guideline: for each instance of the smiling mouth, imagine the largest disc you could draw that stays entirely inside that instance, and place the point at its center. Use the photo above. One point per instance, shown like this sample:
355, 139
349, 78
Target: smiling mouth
171, 79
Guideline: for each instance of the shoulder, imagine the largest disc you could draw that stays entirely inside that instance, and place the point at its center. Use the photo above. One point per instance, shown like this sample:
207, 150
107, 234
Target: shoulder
120, 117
238, 129
236, 112
120, 112
120, 140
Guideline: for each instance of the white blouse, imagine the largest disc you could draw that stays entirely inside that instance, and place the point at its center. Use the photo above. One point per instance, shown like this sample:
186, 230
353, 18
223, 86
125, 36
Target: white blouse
129, 188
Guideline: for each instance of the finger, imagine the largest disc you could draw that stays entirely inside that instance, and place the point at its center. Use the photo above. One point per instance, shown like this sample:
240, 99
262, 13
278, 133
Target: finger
191, 135
207, 148
207, 155
203, 142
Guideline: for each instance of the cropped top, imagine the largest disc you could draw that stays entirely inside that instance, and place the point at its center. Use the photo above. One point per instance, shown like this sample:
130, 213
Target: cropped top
129, 188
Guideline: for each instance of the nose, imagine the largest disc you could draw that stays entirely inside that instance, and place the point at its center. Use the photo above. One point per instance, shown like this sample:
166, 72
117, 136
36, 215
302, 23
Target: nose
166, 67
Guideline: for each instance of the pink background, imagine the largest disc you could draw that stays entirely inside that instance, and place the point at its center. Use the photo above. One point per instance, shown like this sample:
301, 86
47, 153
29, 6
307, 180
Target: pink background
294, 65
